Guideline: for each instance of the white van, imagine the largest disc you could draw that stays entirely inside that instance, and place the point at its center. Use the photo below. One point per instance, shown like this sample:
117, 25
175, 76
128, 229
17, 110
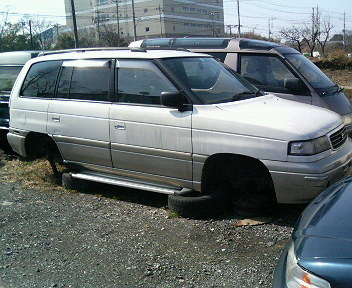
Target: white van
170, 121
11, 64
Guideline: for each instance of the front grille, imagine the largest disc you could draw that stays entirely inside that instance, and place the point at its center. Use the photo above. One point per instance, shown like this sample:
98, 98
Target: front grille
338, 138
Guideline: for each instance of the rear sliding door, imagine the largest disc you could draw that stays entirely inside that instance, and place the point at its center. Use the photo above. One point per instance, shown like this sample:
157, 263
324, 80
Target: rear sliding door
78, 118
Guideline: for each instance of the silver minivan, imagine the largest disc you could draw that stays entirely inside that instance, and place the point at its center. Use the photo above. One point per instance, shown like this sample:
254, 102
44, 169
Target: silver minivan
273, 67
174, 122
11, 64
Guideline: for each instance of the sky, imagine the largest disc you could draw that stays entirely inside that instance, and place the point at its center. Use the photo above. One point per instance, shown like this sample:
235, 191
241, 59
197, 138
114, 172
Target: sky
254, 14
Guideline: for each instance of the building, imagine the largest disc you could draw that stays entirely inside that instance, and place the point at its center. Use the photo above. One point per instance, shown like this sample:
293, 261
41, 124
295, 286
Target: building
149, 18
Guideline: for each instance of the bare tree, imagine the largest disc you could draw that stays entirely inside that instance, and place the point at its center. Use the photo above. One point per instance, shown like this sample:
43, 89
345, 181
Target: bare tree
41, 30
310, 38
294, 35
324, 33
110, 38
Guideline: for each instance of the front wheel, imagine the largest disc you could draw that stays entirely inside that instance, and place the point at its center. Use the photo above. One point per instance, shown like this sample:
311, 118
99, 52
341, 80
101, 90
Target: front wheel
196, 205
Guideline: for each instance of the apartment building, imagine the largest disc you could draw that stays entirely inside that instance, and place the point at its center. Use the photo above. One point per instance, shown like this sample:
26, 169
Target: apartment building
139, 19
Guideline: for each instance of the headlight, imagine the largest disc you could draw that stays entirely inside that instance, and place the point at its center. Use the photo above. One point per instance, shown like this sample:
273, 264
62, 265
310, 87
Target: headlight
347, 119
296, 277
309, 147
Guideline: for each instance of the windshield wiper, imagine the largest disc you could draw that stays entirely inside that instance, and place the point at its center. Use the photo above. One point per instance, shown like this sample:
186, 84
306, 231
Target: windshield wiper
239, 95
338, 90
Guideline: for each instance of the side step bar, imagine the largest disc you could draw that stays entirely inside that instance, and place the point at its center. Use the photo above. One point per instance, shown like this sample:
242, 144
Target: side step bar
129, 183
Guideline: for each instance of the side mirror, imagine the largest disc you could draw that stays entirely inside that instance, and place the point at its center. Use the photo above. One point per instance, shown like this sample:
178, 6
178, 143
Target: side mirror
294, 84
173, 99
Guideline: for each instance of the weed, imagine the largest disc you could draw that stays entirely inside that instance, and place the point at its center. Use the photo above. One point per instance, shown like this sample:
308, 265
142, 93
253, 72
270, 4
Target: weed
174, 214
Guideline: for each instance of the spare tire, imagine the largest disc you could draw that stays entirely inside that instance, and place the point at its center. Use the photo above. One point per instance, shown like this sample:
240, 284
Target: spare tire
196, 205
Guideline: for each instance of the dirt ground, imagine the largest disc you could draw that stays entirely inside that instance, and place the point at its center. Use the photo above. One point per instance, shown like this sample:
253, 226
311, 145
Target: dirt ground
115, 237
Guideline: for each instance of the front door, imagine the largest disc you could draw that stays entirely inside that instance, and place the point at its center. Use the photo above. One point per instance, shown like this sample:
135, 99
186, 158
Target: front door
148, 140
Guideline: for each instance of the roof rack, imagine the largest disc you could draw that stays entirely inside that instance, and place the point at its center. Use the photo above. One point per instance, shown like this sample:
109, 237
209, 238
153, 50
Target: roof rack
81, 50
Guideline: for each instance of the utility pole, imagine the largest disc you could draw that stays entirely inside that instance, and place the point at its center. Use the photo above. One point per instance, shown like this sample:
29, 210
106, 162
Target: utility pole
313, 22
134, 22
30, 33
161, 26
239, 19
271, 25
118, 22
98, 25
74, 23
317, 23
57, 31
344, 31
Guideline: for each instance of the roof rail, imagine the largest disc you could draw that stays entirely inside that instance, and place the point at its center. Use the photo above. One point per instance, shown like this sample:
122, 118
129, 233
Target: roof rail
138, 49
81, 50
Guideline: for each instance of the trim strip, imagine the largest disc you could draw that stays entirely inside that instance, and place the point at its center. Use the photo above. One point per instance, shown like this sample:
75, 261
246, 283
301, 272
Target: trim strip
81, 141
152, 151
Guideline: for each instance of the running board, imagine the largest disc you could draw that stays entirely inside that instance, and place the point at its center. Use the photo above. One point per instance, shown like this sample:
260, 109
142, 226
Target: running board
135, 184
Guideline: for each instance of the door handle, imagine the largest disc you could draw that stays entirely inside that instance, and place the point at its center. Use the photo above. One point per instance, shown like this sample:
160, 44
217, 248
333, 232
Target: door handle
56, 119
120, 126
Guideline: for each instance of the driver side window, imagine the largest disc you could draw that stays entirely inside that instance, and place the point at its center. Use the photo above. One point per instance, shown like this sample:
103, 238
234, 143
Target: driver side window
141, 82
266, 72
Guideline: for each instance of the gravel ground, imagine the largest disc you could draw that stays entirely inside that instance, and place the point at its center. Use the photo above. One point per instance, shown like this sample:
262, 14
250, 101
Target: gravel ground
116, 237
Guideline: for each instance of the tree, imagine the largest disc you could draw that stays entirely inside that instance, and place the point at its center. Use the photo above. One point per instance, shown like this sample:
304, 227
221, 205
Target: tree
65, 41
13, 40
294, 36
42, 31
324, 33
3, 23
109, 37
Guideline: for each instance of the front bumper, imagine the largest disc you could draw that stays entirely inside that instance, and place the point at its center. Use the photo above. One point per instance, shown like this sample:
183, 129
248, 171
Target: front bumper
301, 182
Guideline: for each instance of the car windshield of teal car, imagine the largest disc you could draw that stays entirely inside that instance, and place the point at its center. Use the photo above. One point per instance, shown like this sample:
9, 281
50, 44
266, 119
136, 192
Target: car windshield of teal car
310, 71
211, 81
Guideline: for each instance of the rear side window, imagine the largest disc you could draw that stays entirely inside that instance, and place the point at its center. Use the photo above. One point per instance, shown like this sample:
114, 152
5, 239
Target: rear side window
90, 83
84, 80
41, 80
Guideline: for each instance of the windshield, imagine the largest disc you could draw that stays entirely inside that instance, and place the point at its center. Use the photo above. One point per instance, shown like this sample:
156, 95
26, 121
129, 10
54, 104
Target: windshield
8, 75
210, 81
311, 72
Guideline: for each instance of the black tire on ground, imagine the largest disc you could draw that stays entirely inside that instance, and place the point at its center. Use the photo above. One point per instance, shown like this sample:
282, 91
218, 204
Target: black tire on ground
196, 205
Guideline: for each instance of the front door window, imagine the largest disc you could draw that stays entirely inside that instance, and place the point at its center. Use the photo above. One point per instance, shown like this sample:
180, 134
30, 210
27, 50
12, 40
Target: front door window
266, 72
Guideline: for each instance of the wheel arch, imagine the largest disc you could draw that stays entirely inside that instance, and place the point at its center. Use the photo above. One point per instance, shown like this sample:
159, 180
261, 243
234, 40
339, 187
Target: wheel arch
36, 144
226, 168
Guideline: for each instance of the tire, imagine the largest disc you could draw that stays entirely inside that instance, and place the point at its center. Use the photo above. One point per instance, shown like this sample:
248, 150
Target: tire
197, 206
255, 202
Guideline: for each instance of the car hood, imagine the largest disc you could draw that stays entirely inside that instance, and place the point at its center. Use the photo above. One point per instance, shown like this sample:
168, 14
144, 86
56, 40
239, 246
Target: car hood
329, 258
329, 215
271, 117
323, 235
